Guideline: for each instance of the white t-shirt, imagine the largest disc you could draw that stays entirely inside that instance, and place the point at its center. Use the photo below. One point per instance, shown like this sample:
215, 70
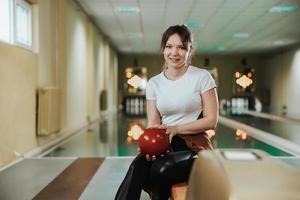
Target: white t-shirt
179, 101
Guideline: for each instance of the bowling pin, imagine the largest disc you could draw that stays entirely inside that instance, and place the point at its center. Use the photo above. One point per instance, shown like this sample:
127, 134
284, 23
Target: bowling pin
246, 104
131, 105
127, 106
141, 106
136, 105
233, 105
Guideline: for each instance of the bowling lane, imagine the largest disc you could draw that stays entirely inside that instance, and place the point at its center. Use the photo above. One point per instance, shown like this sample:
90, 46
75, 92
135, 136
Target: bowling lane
272, 116
116, 136
285, 129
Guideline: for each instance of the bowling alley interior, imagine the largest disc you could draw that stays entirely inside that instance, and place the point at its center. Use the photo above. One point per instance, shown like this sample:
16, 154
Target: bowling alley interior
73, 77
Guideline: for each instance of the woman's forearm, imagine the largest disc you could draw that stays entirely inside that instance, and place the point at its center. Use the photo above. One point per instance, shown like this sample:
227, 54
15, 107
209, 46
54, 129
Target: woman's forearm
198, 126
153, 124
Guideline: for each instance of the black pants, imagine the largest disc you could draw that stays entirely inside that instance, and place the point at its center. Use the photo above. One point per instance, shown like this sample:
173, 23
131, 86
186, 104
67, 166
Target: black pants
157, 177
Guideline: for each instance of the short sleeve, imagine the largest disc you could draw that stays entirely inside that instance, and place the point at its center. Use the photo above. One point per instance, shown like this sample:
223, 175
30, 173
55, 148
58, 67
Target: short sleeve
150, 92
207, 82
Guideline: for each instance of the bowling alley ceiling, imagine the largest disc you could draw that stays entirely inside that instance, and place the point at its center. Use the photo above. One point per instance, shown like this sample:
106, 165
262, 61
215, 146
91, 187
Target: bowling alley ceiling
219, 26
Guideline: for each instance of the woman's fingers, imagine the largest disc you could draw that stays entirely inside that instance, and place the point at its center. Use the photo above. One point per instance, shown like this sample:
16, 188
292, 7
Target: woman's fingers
151, 158
148, 157
170, 137
159, 126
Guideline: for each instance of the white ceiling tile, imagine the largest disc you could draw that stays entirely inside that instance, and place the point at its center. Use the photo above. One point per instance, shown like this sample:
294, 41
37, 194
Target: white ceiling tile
221, 19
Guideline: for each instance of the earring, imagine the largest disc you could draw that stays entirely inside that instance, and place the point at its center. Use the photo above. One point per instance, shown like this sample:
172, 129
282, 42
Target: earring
165, 66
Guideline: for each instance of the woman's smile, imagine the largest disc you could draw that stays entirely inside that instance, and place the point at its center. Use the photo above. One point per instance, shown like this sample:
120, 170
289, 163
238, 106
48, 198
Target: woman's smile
174, 60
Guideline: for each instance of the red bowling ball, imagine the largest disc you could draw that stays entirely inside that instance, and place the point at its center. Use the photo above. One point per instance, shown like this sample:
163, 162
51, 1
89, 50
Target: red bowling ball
154, 141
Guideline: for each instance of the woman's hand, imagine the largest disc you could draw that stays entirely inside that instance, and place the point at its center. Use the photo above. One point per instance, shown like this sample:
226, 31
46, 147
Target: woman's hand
151, 158
170, 130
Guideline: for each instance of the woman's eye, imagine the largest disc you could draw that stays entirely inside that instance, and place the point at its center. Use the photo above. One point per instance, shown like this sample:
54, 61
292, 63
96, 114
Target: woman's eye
168, 47
182, 48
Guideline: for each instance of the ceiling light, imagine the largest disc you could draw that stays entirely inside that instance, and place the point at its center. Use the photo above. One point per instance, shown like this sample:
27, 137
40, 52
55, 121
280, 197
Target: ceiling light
194, 25
283, 9
220, 49
127, 9
278, 42
138, 49
284, 42
241, 35
135, 35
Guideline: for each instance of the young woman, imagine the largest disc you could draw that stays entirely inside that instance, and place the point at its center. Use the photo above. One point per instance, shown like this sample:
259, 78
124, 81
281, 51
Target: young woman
182, 99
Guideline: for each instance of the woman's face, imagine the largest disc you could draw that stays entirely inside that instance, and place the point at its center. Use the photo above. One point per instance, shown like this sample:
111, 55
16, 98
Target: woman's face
175, 54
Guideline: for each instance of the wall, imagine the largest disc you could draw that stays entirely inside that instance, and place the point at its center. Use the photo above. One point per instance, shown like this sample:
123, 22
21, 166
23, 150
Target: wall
280, 74
76, 68
277, 73
99, 70
71, 55
46, 44
293, 94
85, 66
18, 80
226, 65
152, 62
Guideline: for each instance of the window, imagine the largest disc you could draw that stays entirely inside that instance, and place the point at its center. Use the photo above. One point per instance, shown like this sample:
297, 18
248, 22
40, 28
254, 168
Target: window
5, 21
23, 24
16, 22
